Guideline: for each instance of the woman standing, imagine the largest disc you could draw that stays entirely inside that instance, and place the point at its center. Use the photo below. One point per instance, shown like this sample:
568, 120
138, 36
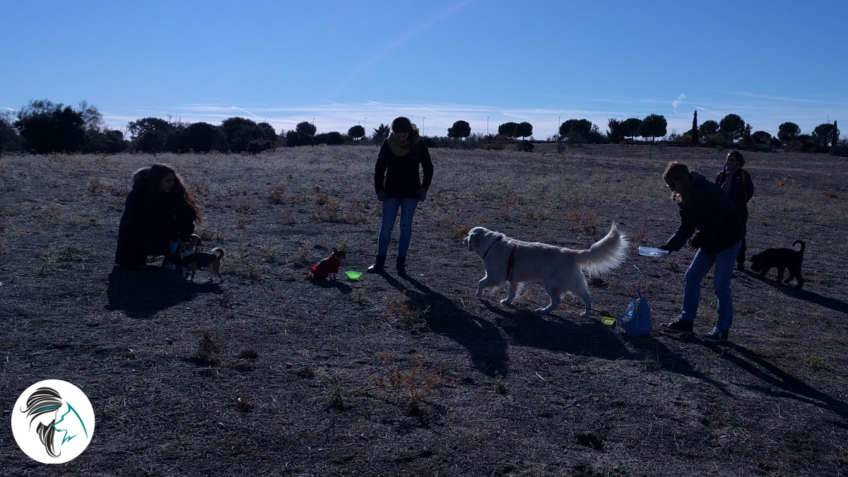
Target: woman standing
159, 212
735, 181
398, 185
706, 212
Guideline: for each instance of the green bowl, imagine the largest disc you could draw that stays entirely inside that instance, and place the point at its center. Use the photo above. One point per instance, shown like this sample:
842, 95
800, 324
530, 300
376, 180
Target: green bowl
353, 275
608, 320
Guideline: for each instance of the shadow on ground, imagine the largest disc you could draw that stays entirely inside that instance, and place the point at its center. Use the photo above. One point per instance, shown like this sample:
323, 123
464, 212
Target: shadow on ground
482, 339
801, 294
143, 293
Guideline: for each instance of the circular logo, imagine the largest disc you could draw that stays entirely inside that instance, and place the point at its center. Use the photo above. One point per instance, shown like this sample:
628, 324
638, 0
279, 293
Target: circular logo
53, 421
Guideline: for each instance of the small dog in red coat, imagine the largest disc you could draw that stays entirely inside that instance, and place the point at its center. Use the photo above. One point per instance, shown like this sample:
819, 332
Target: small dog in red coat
328, 267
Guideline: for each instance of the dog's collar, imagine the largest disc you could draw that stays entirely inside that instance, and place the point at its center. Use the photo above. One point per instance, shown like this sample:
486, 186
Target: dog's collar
491, 245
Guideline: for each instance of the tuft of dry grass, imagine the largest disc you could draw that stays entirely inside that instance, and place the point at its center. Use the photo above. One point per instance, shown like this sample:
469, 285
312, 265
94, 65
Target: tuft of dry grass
206, 353
584, 220
414, 384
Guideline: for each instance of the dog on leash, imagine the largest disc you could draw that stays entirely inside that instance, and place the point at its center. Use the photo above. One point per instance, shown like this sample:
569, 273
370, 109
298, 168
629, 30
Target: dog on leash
558, 269
193, 259
782, 259
328, 267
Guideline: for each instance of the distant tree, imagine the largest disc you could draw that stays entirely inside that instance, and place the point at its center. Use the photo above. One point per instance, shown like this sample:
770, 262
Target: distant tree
524, 130
356, 132
787, 132
203, 137
151, 135
9, 139
381, 134
632, 127
460, 129
823, 135
576, 131
306, 130
615, 130
268, 133
694, 132
654, 126
91, 117
240, 132
332, 138
292, 139
46, 127
708, 128
732, 127
761, 140
509, 129
104, 141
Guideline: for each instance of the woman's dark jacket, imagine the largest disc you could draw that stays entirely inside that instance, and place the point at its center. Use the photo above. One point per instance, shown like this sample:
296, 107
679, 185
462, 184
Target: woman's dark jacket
707, 210
739, 187
150, 223
397, 176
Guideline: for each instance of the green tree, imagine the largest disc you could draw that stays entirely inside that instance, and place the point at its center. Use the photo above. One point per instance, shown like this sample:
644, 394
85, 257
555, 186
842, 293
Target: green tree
823, 135
576, 131
708, 128
381, 134
524, 130
356, 132
732, 126
151, 135
632, 127
46, 127
654, 126
509, 129
459, 130
615, 130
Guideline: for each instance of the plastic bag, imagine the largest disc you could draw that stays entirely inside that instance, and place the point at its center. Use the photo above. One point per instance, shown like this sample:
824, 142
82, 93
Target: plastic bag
637, 318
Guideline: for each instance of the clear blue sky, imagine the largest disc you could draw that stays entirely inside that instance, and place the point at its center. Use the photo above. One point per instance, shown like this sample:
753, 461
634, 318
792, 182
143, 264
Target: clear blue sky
347, 62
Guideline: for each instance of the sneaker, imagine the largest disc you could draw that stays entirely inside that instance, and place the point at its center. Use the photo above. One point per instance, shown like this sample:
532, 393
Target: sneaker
716, 335
378, 265
678, 326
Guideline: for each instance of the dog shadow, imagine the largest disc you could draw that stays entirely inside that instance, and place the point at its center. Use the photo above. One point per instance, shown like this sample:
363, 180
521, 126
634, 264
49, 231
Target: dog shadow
341, 286
591, 338
779, 383
143, 293
801, 294
482, 339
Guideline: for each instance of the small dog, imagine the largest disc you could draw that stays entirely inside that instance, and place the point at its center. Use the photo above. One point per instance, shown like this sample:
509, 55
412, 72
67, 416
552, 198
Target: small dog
328, 267
558, 269
782, 259
193, 259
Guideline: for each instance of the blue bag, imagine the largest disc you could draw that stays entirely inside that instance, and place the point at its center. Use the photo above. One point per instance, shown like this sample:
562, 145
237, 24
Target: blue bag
637, 318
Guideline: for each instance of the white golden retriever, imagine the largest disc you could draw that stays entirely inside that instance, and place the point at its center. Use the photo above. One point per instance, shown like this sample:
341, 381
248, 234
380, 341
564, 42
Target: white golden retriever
558, 269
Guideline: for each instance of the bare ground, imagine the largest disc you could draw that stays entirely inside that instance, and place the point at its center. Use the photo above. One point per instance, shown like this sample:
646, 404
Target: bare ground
270, 374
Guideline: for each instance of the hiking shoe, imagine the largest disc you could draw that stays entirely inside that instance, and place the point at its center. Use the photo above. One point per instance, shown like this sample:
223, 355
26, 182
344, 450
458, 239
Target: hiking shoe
716, 336
401, 265
379, 264
678, 326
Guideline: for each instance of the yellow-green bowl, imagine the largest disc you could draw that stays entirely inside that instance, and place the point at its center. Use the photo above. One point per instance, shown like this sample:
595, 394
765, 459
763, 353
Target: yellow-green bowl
608, 320
353, 275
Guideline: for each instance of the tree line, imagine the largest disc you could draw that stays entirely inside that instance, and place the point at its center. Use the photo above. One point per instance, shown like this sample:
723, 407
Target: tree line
44, 127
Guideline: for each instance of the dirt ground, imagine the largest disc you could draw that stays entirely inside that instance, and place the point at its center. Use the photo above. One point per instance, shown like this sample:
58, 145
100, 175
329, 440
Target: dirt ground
267, 373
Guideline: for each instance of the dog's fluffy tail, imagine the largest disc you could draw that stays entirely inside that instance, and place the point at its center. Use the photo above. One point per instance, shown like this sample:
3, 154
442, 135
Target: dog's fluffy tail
605, 254
803, 245
219, 251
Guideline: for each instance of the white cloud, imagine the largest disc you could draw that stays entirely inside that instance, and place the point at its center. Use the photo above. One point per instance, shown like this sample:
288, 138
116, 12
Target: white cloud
677, 102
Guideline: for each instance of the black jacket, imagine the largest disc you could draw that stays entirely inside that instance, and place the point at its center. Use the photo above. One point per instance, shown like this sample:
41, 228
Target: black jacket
739, 187
707, 210
149, 225
398, 177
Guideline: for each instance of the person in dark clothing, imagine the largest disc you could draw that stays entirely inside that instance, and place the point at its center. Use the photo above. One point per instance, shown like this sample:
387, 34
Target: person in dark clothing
398, 185
706, 212
159, 213
737, 184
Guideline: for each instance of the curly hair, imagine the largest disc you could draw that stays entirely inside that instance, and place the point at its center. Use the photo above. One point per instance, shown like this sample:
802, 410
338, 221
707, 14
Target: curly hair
147, 180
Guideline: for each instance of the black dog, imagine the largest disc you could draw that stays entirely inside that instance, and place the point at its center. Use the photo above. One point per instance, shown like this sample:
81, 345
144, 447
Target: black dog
781, 258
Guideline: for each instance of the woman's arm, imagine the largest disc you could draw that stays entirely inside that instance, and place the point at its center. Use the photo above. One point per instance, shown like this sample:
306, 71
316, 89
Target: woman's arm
686, 229
380, 169
427, 164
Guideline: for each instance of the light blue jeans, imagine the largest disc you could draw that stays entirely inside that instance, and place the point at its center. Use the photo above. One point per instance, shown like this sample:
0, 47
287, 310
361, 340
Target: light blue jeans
701, 264
390, 210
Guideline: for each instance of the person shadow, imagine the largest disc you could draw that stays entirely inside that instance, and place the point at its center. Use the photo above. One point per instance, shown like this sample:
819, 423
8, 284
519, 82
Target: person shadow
143, 293
801, 294
779, 383
482, 339
592, 339
341, 286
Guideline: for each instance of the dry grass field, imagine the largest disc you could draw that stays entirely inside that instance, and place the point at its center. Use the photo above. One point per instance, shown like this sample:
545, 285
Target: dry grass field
267, 373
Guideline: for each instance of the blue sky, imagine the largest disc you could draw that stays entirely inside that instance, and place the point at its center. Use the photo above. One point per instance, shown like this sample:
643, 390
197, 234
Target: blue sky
342, 63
